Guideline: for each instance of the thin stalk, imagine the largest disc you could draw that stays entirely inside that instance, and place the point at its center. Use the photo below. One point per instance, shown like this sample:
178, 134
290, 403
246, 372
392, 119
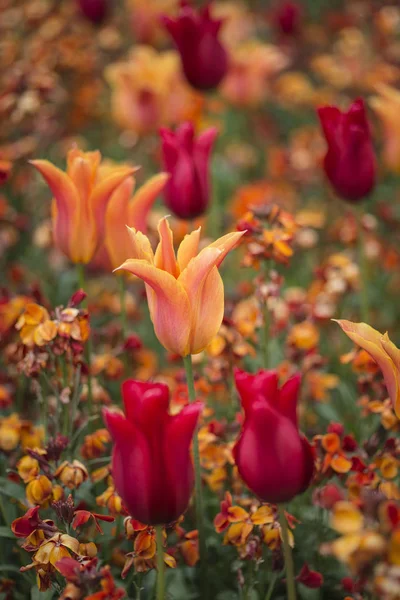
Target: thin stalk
187, 361
271, 586
266, 334
363, 265
160, 595
287, 552
122, 290
88, 349
74, 401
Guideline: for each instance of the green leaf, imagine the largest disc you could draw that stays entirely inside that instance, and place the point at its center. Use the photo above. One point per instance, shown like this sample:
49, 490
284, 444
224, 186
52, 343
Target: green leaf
36, 594
11, 489
5, 532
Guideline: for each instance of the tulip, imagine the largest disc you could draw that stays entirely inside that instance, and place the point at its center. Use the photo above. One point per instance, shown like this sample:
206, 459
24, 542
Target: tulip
80, 201
387, 106
186, 159
274, 460
127, 209
196, 36
288, 18
151, 463
94, 10
350, 163
384, 353
185, 294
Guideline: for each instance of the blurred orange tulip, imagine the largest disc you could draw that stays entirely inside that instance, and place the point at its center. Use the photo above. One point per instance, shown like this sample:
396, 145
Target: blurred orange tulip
387, 106
123, 209
383, 351
185, 293
80, 201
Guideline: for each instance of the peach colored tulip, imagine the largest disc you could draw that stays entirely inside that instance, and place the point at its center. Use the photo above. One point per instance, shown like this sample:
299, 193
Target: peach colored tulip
185, 292
383, 351
387, 106
123, 209
80, 201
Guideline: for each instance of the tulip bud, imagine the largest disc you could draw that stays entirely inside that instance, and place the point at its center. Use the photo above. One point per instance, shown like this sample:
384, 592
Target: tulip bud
94, 10
154, 445
350, 162
196, 36
274, 460
187, 159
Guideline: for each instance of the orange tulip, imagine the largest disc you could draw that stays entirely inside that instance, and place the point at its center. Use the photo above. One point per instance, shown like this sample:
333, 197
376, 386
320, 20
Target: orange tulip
80, 201
387, 106
383, 351
185, 293
123, 209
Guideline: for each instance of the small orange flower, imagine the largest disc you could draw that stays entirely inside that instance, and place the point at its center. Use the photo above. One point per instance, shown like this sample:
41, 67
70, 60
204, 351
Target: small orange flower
72, 475
39, 490
56, 548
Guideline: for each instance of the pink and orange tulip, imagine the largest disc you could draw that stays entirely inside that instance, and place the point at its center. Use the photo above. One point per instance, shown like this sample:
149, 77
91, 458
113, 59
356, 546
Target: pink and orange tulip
185, 292
384, 353
124, 209
80, 201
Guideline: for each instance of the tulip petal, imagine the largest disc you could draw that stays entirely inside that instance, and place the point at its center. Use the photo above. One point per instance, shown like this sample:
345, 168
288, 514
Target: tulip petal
117, 238
144, 199
226, 243
169, 306
188, 248
145, 403
250, 386
103, 191
66, 198
394, 354
140, 245
164, 257
375, 344
205, 290
288, 397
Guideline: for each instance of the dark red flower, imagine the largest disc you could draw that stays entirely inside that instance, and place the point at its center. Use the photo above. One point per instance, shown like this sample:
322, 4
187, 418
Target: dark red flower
196, 36
327, 496
24, 526
350, 163
274, 459
94, 10
311, 579
287, 17
151, 463
187, 160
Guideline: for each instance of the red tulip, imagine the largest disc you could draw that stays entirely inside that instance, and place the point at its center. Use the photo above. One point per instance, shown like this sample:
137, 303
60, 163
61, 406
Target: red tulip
274, 460
195, 33
187, 159
151, 462
94, 10
288, 18
350, 163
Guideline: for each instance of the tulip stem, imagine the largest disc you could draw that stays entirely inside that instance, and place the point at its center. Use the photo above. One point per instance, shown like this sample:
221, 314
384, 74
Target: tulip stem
124, 322
271, 586
363, 265
187, 361
287, 551
82, 284
160, 563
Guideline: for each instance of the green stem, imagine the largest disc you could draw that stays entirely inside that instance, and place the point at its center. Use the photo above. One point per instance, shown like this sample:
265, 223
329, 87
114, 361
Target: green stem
271, 586
266, 334
88, 349
363, 265
160, 564
74, 402
187, 361
124, 321
287, 551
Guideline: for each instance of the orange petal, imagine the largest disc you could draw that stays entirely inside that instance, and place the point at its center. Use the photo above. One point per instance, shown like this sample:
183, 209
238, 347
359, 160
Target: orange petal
226, 243
205, 290
394, 354
188, 248
237, 514
164, 257
140, 245
117, 238
102, 193
169, 306
144, 199
66, 197
375, 344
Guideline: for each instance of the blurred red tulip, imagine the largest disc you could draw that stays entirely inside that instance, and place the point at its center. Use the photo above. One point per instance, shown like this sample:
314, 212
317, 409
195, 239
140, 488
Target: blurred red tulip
287, 18
151, 464
94, 10
350, 162
187, 159
196, 36
274, 460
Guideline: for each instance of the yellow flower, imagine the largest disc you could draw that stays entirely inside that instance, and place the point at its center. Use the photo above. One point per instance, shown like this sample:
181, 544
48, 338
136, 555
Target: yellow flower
72, 475
56, 548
